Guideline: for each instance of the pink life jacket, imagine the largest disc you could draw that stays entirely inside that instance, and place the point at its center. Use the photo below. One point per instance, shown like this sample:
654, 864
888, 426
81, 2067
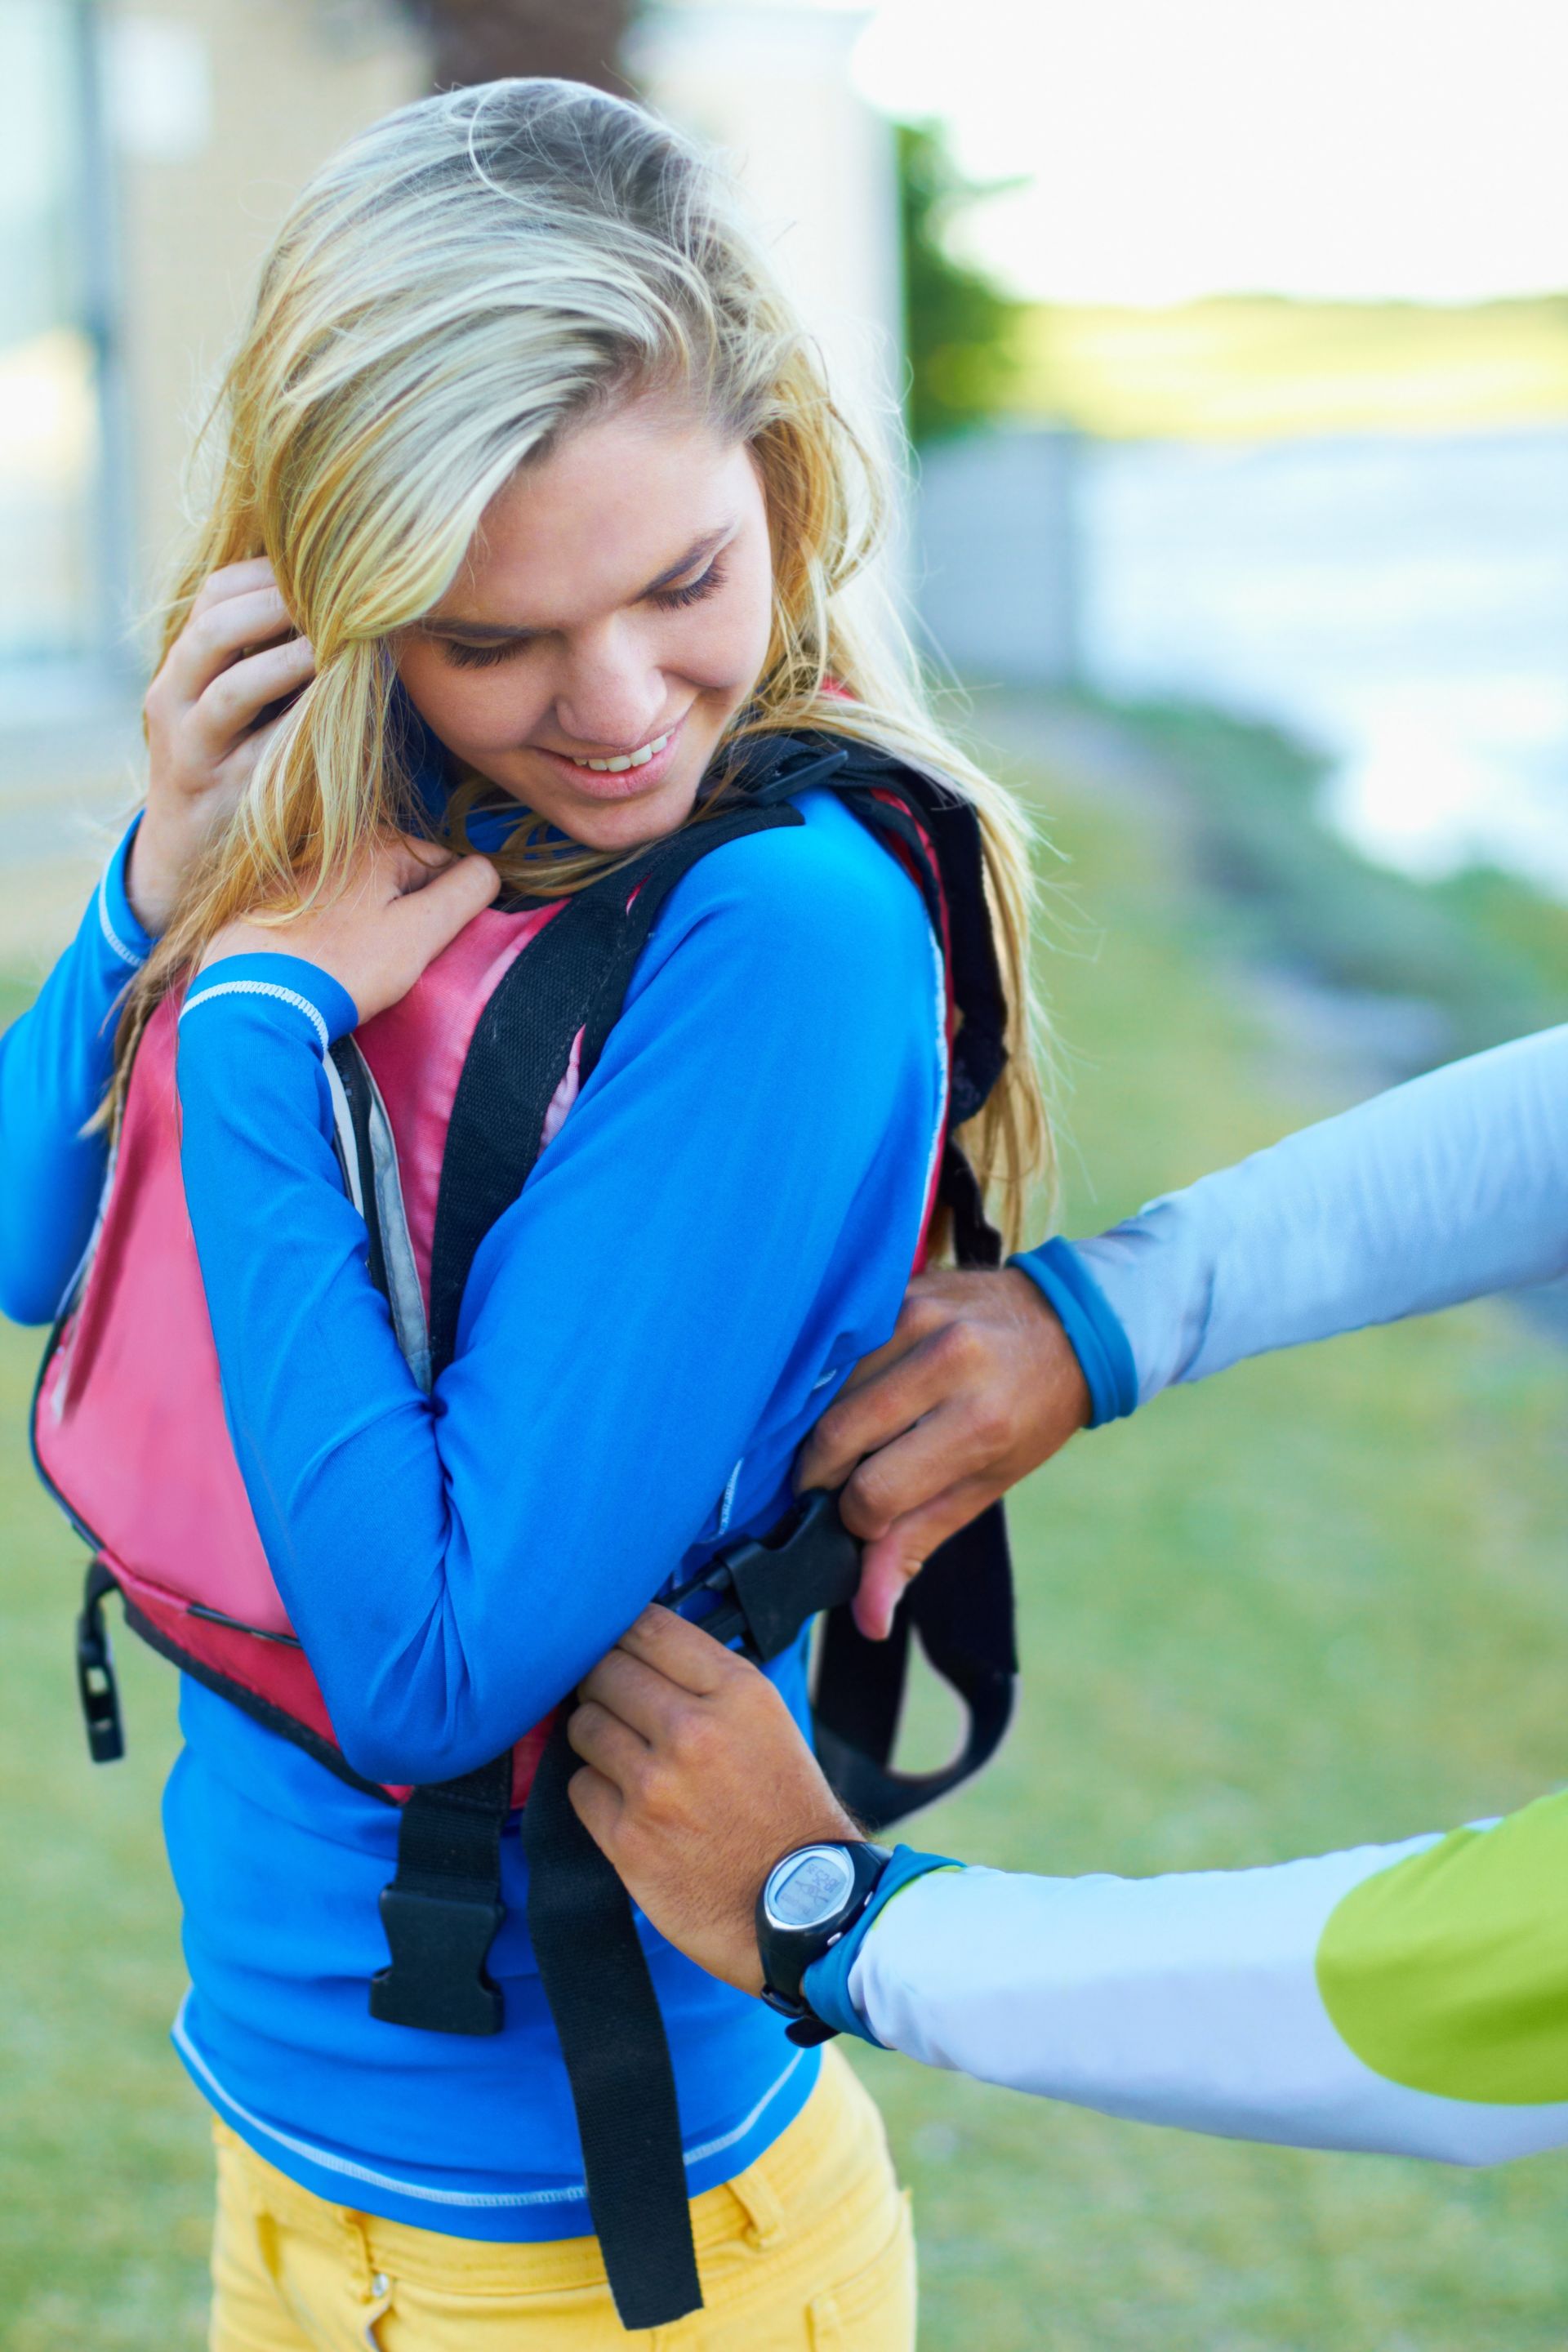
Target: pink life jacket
128, 1429
443, 1103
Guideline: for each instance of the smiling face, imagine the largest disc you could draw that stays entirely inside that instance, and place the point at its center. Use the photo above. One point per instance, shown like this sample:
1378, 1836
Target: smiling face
610, 618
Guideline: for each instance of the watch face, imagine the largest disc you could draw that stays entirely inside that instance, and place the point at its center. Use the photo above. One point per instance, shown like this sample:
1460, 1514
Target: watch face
811, 1887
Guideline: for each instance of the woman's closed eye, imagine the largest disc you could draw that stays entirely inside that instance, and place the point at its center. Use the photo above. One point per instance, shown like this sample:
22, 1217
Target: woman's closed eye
462, 655
673, 600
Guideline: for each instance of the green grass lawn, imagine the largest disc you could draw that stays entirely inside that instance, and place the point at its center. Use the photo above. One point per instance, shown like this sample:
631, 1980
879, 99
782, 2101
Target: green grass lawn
1320, 1602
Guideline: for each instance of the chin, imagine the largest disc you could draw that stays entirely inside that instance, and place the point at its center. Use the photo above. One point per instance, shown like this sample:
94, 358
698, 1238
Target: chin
627, 824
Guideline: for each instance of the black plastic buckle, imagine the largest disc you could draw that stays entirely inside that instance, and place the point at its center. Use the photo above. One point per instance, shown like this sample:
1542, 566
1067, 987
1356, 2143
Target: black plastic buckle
95, 1682
437, 1979
770, 1586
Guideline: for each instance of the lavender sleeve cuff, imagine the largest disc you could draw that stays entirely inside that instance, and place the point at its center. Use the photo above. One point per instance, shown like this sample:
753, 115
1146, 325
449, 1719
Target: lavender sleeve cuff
1094, 1333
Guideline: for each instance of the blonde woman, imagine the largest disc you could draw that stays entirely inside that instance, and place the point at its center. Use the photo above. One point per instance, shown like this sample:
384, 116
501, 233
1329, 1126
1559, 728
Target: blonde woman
533, 511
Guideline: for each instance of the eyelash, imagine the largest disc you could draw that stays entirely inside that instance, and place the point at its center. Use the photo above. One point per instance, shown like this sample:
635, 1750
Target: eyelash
463, 656
673, 600
668, 600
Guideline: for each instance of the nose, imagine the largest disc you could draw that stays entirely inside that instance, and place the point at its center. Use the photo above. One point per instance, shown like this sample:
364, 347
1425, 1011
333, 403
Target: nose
610, 696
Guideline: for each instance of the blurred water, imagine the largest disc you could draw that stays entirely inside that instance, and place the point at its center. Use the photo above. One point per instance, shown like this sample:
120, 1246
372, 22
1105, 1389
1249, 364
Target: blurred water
1404, 603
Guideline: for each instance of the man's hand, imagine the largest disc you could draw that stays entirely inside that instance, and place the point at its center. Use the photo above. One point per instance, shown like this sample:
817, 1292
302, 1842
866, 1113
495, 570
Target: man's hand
698, 1780
976, 1388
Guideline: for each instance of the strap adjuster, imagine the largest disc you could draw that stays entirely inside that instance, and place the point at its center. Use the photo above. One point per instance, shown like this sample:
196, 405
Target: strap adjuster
95, 1682
437, 1977
770, 1587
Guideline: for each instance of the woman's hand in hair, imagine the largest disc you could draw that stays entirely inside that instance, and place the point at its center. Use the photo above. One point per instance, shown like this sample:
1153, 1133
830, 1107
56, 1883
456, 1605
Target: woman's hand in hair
207, 724
977, 1386
402, 902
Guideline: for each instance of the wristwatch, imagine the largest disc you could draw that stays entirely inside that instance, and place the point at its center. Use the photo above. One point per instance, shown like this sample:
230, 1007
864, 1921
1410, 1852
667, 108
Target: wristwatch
809, 1899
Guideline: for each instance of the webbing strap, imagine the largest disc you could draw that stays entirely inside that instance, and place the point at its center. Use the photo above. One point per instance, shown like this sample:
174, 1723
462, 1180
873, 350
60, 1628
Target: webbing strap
567, 985
595, 1978
961, 1607
569, 982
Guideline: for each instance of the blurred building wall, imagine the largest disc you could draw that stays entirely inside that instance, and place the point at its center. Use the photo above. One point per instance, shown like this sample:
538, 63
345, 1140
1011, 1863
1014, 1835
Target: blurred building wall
998, 566
217, 113
768, 84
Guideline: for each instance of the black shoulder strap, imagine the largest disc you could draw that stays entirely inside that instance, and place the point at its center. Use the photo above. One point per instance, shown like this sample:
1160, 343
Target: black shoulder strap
570, 981
569, 984
442, 1909
960, 1605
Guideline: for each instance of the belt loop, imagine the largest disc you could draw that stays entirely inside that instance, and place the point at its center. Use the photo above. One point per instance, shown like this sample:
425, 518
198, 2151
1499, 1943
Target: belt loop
754, 2193
363, 2272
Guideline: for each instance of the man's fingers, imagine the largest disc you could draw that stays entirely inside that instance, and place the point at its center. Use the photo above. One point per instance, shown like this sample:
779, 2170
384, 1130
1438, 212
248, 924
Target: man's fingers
911, 1471
885, 1570
638, 1694
680, 1651
602, 1739
862, 1419
597, 1803
896, 1559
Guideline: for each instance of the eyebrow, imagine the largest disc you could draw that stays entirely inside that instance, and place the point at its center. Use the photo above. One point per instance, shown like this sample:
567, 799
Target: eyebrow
486, 633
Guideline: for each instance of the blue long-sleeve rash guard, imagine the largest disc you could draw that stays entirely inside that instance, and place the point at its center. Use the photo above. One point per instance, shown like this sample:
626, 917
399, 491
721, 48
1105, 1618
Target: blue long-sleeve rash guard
54, 1065
723, 1224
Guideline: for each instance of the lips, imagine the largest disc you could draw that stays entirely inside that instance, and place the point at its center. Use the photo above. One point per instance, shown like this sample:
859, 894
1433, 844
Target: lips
619, 776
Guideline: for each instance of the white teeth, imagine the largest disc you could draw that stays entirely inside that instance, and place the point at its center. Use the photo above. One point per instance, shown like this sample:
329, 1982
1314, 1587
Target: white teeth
630, 759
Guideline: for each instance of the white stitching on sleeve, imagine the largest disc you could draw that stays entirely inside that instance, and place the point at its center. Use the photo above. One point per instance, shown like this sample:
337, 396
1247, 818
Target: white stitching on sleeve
261, 988
126, 955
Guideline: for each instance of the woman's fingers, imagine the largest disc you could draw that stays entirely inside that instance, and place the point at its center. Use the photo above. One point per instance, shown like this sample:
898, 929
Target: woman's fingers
430, 912
229, 707
234, 580
215, 636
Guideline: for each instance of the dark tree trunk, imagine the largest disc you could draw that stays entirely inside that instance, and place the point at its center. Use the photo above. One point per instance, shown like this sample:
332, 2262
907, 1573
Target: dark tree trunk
481, 40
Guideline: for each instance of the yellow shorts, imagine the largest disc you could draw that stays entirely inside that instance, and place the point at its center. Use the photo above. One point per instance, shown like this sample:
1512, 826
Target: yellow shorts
808, 2250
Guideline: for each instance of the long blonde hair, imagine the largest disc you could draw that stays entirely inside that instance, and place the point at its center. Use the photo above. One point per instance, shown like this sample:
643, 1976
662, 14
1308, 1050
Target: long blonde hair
454, 292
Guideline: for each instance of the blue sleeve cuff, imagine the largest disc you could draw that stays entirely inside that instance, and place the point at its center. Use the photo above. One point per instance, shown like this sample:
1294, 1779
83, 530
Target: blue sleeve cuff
322, 1003
1094, 1335
827, 1982
123, 934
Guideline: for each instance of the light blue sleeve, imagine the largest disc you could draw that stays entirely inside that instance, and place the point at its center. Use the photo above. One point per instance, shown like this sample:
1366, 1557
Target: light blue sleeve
1204, 1998
723, 1224
55, 1065
1446, 1188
